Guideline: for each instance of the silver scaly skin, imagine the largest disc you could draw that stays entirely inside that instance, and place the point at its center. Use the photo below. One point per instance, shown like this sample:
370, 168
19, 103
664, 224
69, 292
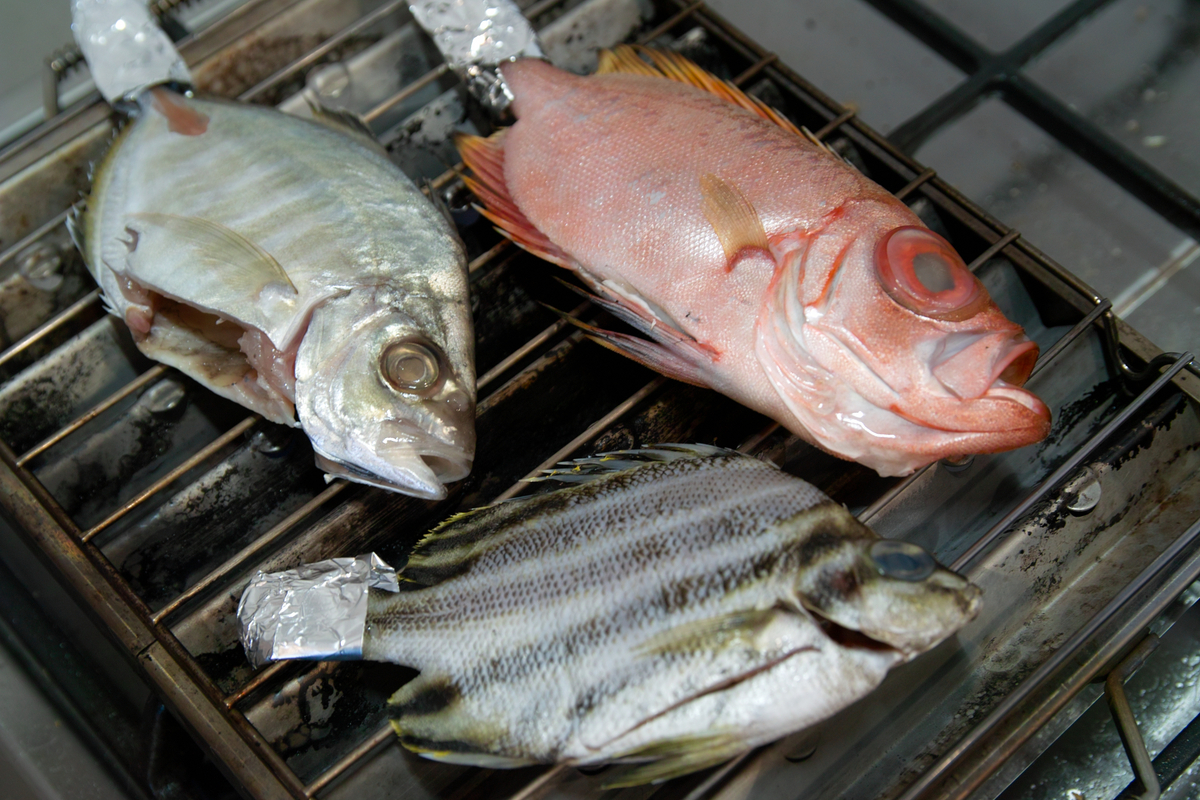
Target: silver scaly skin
288, 265
681, 605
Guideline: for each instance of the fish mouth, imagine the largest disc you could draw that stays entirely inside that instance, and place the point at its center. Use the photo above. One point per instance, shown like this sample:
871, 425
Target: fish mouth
852, 639
416, 466
970, 364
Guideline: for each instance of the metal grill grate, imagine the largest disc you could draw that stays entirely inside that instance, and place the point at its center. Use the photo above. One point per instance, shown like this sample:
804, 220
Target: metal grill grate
545, 396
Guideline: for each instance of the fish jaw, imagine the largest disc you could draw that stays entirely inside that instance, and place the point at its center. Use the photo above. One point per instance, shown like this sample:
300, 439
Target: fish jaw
869, 379
364, 428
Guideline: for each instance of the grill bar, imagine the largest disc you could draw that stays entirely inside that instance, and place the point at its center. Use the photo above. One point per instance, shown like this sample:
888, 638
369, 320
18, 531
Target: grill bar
529, 347
323, 49
33, 236
372, 742
1182, 579
167, 662
51, 325
482, 260
260, 679
255, 548
199, 457
1001, 243
916, 183
593, 430
408, 91
149, 376
1073, 463
1127, 727
835, 123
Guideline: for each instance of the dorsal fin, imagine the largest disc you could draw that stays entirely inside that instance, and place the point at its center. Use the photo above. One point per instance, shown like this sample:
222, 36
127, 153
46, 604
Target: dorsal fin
485, 158
582, 470
667, 64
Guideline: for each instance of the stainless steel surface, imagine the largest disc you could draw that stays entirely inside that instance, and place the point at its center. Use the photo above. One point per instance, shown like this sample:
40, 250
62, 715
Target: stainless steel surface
156, 512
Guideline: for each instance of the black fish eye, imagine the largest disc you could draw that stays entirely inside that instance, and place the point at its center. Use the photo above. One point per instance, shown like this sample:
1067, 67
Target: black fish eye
410, 366
903, 561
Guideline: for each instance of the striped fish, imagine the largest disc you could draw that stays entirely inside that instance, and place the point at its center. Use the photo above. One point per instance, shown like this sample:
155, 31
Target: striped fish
677, 606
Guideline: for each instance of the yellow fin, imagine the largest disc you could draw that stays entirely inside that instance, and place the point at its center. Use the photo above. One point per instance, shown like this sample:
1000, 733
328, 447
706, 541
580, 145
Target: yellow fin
675, 757
671, 65
735, 221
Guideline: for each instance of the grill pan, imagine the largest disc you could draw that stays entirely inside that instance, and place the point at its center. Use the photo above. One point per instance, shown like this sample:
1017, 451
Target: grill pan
154, 501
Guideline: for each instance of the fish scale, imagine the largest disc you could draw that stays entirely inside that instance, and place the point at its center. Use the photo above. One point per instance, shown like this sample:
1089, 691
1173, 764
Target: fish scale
672, 608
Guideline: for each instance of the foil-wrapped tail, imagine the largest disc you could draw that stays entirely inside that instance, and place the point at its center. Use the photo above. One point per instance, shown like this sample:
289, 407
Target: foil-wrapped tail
476, 37
126, 51
316, 612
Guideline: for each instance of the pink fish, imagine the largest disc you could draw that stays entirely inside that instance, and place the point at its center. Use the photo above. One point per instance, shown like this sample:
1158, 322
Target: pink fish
757, 262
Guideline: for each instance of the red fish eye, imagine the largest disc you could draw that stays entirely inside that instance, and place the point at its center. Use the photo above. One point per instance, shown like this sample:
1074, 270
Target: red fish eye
920, 271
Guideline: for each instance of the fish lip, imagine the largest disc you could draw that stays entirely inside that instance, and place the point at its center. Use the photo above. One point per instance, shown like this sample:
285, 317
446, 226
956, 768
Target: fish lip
417, 486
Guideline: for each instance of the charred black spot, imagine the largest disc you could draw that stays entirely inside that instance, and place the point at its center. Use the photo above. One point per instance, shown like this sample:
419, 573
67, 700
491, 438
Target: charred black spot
435, 695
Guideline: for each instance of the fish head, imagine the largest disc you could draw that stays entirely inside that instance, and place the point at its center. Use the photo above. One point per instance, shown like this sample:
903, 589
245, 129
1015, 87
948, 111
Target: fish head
385, 390
915, 359
886, 593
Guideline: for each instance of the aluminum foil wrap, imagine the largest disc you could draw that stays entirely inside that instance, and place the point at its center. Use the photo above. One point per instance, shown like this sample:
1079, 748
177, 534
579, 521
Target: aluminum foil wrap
317, 611
125, 48
476, 37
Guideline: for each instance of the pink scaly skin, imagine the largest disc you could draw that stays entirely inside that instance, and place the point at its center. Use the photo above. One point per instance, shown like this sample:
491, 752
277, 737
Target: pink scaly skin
829, 330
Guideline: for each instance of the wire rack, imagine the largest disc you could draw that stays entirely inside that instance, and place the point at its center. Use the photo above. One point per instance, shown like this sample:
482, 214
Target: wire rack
534, 368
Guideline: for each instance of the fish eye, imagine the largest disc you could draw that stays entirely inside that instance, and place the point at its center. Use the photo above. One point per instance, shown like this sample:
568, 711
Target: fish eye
922, 272
903, 561
410, 366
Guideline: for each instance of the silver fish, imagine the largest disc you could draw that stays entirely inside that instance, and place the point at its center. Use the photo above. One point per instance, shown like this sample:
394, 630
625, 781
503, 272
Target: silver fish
681, 605
291, 267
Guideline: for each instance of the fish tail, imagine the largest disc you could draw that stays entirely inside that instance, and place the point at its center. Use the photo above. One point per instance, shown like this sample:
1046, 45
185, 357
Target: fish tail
485, 158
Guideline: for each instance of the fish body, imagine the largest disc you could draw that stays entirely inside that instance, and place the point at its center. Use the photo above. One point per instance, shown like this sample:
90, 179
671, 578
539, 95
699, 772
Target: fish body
679, 606
759, 263
290, 267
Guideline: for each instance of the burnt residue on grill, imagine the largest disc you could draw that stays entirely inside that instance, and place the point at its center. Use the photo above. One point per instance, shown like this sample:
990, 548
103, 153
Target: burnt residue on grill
230, 506
83, 370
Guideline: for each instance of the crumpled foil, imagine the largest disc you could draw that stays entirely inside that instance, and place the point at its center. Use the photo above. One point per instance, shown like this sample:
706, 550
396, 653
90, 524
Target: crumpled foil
475, 37
125, 48
317, 611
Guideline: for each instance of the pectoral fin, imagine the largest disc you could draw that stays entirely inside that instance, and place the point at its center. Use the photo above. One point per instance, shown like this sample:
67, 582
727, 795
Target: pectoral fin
676, 757
219, 258
648, 354
734, 220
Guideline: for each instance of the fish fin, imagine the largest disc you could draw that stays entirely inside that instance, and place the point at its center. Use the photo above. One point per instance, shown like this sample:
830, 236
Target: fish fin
582, 470
671, 65
673, 758
75, 225
344, 121
485, 158
234, 261
455, 543
439, 203
735, 221
430, 718
653, 356
712, 633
